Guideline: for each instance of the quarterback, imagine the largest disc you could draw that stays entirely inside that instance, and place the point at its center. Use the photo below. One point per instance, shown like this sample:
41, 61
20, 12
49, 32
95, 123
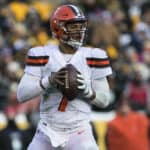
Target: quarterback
64, 124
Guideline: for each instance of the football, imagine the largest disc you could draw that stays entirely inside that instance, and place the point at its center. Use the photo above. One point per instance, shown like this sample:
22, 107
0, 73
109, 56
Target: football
69, 89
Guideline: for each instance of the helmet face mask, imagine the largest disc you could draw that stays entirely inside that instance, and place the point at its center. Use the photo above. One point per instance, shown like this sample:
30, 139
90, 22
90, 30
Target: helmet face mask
74, 33
69, 25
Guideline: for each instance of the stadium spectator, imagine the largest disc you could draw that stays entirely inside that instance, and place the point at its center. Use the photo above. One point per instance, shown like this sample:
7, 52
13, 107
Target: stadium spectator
128, 130
136, 92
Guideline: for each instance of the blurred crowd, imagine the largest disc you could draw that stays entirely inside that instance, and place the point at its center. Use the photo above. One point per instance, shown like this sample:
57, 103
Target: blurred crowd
122, 28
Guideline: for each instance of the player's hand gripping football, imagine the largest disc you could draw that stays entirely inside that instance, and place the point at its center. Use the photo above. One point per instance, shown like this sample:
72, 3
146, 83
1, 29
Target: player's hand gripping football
85, 88
65, 80
57, 78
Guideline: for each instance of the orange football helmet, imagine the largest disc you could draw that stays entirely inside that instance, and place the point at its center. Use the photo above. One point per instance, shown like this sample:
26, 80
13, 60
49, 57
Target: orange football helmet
69, 25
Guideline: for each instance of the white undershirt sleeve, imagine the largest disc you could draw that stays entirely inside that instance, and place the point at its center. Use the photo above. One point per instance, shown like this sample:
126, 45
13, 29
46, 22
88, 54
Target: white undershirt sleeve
29, 87
101, 87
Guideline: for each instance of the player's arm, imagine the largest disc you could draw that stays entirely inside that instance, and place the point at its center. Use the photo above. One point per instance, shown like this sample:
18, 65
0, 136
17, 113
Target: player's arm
102, 90
31, 86
96, 87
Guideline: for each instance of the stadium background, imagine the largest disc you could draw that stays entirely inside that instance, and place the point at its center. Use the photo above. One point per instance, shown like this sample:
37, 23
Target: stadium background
122, 28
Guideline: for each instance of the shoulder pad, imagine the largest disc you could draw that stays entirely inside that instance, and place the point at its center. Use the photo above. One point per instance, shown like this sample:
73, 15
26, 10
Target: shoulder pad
35, 51
98, 53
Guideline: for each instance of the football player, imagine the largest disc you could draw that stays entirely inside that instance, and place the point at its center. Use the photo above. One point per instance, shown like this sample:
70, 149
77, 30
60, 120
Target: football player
65, 124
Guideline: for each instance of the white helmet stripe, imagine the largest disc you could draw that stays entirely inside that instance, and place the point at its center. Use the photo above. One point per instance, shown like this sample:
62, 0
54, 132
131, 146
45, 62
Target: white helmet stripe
75, 10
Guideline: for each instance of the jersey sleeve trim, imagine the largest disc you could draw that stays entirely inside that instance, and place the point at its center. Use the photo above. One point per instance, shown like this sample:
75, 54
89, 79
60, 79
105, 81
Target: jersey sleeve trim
37, 60
98, 62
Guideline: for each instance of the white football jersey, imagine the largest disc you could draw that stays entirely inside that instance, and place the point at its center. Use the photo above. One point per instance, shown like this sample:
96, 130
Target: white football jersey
93, 63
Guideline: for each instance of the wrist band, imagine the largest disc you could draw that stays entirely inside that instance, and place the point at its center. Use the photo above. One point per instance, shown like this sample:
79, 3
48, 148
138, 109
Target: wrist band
44, 83
93, 96
41, 85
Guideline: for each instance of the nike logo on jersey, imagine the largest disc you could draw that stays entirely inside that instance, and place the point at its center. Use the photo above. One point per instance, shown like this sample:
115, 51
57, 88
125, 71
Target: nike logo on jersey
80, 132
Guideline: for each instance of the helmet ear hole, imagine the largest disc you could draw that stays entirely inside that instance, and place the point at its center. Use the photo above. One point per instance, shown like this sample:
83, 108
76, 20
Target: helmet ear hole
59, 33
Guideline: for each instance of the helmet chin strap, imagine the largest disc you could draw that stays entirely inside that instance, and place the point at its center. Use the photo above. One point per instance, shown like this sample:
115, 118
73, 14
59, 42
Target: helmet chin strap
73, 44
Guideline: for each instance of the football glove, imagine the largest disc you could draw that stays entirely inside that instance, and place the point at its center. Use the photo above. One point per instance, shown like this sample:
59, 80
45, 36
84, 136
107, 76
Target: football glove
58, 78
85, 88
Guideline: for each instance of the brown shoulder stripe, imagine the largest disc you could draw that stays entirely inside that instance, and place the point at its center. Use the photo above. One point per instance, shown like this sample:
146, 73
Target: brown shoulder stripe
98, 62
37, 60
